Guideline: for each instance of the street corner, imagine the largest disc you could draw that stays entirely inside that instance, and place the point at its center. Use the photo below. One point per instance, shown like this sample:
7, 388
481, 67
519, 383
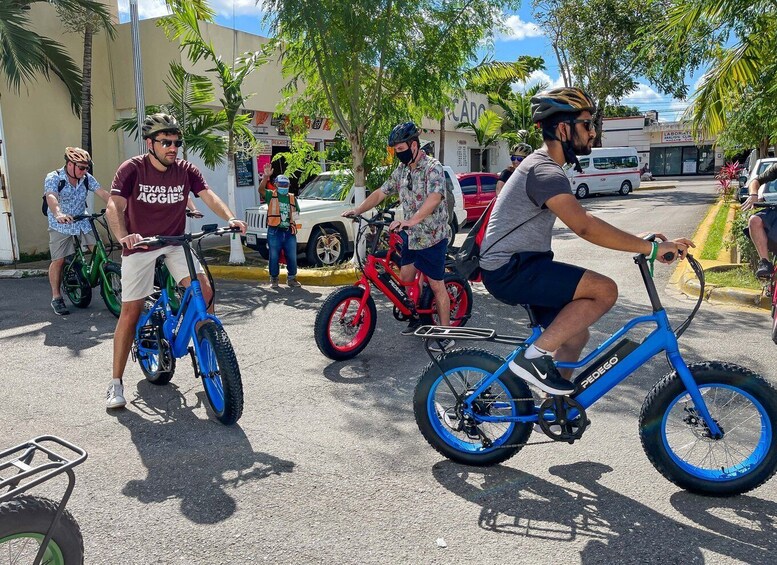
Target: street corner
685, 281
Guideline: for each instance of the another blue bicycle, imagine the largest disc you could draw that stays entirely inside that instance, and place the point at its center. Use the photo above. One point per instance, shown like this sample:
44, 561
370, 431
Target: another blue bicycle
707, 427
163, 336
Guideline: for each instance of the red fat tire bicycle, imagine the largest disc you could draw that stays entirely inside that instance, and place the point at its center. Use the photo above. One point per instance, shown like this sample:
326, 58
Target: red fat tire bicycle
346, 320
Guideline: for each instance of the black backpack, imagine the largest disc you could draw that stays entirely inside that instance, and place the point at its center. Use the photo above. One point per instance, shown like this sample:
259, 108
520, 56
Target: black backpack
45, 206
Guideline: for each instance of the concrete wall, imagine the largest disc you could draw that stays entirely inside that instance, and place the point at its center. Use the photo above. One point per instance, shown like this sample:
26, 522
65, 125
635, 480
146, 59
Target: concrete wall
38, 124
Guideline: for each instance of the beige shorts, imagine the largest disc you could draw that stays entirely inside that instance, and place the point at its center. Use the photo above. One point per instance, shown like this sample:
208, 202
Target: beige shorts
137, 270
62, 244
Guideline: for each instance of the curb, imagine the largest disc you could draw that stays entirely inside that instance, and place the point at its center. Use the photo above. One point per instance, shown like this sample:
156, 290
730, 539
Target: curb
22, 273
313, 277
658, 186
684, 279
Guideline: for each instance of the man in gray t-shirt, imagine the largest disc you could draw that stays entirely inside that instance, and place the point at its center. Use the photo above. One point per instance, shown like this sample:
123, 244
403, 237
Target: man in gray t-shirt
516, 257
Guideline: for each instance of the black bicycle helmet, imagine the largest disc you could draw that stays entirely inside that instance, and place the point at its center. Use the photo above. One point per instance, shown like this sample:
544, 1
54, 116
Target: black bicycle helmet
160, 123
403, 133
565, 99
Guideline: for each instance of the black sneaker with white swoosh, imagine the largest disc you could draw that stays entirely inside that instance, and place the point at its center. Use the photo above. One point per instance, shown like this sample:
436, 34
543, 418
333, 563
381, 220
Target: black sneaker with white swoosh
542, 373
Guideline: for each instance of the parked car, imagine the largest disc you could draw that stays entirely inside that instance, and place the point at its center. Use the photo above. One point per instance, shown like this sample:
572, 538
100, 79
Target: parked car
479, 189
770, 192
606, 170
323, 235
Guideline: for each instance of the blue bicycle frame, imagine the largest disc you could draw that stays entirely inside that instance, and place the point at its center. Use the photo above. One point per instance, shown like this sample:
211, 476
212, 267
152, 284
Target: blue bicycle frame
662, 338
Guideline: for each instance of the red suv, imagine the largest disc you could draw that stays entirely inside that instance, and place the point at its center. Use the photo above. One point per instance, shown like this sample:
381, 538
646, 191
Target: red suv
478, 190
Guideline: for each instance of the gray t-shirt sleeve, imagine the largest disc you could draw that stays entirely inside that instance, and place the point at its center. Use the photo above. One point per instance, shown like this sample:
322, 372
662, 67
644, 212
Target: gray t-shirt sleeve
545, 181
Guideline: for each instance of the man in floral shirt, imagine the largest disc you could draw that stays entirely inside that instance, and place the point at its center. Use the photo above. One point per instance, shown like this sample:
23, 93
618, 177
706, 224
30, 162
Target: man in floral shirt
420, 182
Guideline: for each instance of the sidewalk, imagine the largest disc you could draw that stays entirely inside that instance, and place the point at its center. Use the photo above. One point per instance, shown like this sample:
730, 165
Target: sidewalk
656, 185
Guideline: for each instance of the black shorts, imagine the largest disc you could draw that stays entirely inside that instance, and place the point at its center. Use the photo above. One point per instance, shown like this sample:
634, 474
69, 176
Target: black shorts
535, 279
430, 261
769, 218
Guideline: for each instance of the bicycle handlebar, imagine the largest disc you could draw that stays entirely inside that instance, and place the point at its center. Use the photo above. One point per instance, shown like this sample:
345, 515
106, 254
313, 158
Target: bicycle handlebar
210, 229
668, 256
80, 217
765, 204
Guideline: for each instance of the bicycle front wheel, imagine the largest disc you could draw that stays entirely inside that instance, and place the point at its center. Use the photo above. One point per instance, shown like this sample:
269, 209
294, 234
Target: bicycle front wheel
680, 446
75, 285
111, 290
24, 522
440, 419
342, 329
220, 373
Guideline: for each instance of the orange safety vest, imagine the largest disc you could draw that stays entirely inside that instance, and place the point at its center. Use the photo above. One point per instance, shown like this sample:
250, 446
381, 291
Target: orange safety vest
274, 211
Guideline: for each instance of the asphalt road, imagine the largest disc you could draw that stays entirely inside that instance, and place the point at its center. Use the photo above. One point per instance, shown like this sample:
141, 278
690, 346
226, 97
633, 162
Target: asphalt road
327, 465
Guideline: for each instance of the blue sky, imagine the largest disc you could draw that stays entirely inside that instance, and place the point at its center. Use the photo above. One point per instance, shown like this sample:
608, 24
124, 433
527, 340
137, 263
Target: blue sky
523, 38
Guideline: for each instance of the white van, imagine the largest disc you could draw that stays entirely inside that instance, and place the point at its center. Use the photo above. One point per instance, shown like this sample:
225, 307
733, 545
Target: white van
606, 169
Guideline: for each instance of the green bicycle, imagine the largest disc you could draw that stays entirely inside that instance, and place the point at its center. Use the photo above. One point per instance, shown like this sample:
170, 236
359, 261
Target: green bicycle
80, 276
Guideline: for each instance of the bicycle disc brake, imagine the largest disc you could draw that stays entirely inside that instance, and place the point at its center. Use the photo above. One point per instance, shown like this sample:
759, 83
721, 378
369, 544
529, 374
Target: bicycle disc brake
560, 427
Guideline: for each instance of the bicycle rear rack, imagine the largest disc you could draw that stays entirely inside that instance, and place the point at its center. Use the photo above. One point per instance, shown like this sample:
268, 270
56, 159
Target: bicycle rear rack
463, 332
29, 473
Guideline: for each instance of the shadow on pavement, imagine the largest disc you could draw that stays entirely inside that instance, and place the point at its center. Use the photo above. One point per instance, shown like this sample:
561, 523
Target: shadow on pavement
189, 459
617, 528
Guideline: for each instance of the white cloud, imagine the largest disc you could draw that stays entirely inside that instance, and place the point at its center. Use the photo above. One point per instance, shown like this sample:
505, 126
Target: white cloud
643, 95
536, 77
223, 8
517, 29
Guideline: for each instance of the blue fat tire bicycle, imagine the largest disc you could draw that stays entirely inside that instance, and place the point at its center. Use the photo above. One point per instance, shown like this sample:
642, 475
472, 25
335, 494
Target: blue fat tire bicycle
163, 335
707, 427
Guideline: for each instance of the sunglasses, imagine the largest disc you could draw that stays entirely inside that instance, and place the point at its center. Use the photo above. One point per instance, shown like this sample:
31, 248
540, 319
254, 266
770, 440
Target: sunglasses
168, 142
589, 124
516, 158
81, 167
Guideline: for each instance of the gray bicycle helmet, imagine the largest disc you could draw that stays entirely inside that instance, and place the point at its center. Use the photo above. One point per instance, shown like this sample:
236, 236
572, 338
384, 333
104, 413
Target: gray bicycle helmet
159, 123
521, 150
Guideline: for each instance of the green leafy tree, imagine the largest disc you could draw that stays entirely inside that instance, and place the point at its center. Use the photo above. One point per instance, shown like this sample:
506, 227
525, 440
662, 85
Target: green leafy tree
188, 95
737, 39
518, 126
597, 44
183, 25
750, 120
487, 130
24, 54
366, 60
620, 111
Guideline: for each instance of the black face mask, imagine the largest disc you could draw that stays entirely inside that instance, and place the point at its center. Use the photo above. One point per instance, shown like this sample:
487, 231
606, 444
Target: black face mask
405, 156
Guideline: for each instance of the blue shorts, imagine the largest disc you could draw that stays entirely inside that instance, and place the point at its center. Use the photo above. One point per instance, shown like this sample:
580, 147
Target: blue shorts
535, 279
430, 261
769, 219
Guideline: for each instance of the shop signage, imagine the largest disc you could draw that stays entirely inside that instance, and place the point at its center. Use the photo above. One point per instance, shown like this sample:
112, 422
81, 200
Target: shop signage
244, 171
676, 137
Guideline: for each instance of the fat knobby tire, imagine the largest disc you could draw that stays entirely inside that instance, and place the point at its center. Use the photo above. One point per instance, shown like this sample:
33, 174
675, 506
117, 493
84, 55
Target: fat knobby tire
669, 388
77, 289
112, 301
489, 363
324, 315
27, 514
229, 371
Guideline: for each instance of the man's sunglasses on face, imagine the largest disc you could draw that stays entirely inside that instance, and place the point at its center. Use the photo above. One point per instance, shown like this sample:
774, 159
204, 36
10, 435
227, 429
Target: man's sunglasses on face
589, 124
516, 158
168, 142
80, 167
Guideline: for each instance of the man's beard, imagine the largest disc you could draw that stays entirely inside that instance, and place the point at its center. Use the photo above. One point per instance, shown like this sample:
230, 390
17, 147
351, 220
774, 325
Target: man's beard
580, 147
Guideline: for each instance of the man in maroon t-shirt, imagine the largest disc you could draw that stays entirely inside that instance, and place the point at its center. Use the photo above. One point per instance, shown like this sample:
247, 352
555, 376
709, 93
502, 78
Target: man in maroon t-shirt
148, 198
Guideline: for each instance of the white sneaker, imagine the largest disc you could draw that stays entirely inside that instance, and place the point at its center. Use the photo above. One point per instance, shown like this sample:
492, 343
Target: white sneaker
115, 396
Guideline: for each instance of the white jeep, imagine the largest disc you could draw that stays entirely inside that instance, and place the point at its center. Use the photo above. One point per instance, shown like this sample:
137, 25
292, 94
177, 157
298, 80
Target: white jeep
323, 235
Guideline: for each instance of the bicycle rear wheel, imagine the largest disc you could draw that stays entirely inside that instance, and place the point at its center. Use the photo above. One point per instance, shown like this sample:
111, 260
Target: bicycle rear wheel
154, 356
460, 295
680, 445
220, 373
440, 419
75, 285
24, 522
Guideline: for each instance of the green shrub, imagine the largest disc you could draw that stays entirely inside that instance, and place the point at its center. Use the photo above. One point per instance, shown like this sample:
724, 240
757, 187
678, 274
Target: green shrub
738, 238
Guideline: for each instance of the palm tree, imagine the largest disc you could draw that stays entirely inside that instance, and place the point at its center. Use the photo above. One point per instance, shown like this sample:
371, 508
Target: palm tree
518, 126
184, 25
25, 54
487, 130
88, 23
188, 95
737, 64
